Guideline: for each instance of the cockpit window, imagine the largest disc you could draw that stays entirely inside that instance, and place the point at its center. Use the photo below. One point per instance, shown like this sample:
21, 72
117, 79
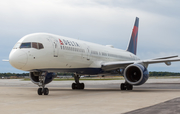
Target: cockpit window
40, 46
34, 45
25, 45
17, 45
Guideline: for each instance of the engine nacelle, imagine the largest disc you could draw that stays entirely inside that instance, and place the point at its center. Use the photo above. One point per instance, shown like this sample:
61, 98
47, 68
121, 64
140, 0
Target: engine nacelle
136, 74
34, 76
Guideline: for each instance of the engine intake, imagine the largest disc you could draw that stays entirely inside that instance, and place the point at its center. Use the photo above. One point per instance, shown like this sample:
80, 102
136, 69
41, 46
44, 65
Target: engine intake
136, 74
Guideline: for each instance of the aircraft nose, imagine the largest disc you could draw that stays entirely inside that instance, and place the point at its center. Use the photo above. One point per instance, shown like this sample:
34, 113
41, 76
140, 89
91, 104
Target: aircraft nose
18, 59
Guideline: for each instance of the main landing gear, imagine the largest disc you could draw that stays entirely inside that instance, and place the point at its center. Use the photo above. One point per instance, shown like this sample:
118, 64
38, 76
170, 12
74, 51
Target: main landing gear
126, 86
42, 89
77, 85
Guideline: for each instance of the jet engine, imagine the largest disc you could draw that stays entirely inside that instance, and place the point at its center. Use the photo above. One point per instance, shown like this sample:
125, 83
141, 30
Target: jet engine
35, 77
136, 74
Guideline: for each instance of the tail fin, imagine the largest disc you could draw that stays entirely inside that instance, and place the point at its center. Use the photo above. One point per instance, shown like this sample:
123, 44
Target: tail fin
132, 47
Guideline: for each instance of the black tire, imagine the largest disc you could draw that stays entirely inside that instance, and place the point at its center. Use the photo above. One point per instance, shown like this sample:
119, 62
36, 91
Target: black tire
39, 91
82, 85
46, 91
78, 86
73, 86
129, 87
123, 86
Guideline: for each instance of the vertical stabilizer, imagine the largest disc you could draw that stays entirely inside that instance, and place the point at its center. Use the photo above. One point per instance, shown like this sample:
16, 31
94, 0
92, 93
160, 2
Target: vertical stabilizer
132, 47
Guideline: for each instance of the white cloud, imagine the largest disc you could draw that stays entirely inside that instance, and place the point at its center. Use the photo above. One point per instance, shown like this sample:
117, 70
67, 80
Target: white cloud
99, 21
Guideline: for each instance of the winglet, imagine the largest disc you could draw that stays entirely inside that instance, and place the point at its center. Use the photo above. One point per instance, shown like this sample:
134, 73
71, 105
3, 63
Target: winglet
132, 47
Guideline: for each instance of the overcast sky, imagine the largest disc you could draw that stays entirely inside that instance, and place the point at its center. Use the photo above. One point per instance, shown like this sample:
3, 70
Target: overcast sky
99, 21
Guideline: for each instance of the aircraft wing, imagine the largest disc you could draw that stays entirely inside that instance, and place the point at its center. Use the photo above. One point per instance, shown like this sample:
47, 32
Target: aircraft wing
167, 61
122, 64
168, 57
116, 65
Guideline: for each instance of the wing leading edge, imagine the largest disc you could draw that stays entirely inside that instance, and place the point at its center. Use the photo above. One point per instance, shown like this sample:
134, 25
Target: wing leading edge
122, 64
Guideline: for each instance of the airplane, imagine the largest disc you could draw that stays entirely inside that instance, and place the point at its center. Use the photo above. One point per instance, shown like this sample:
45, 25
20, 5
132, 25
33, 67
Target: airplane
44, 54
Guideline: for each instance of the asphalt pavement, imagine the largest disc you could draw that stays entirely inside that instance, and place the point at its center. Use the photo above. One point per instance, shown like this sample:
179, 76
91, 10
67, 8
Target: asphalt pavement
157, 96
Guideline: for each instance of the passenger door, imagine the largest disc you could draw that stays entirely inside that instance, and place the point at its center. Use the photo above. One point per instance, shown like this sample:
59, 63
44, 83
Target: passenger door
55, 47
86, 55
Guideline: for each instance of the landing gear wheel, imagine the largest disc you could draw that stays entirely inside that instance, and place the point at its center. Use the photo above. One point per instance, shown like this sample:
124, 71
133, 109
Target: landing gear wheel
39, 91
129, 87
46, 91
73, 86
78, 86
123, 86
81, 85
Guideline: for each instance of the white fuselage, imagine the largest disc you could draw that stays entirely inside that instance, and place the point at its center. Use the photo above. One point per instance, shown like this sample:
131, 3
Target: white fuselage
60, 53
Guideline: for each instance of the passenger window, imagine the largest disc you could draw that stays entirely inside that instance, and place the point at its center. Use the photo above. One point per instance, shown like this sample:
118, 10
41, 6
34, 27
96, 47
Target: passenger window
25, 45
40, 46
34, 45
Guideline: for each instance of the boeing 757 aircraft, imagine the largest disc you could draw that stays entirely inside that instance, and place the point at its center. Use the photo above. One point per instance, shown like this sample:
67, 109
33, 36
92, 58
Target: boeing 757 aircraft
43, 55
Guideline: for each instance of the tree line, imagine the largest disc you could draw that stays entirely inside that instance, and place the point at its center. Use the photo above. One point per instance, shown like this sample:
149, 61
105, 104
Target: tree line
163, 74
153, 73
13, 74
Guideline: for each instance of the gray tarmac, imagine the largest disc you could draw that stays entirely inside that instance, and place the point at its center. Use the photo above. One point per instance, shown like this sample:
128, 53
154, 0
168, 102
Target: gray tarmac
156, 96
168, 107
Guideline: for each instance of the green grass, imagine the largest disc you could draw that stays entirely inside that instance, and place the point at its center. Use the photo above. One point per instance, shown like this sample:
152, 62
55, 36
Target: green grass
164, 77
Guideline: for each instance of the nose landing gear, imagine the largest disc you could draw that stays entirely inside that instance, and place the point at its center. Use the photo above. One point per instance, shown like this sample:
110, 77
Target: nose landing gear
42, 89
